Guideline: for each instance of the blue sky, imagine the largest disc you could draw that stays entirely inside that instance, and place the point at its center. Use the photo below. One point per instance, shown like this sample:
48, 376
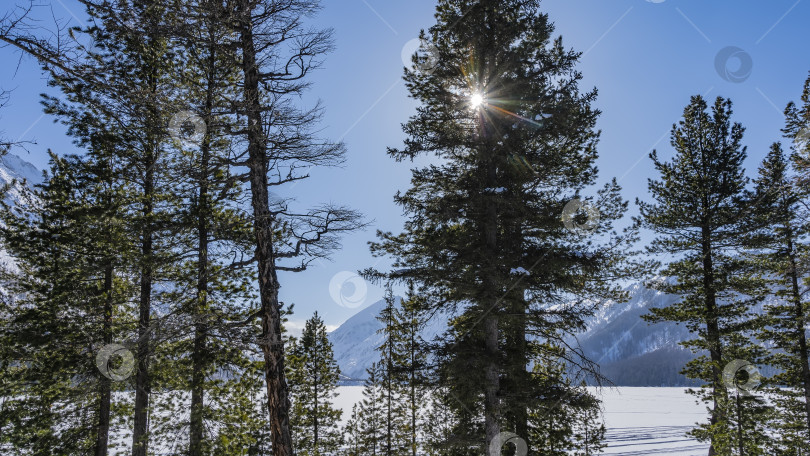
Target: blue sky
646, 57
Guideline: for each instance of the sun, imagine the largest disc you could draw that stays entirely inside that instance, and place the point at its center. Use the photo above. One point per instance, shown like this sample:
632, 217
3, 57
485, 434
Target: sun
476, 100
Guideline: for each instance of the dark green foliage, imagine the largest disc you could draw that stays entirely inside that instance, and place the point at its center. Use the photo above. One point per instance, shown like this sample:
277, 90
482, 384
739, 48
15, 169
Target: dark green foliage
567, 419
782, 245
313, 375
699, 214
372, 414
65, 288
485, 234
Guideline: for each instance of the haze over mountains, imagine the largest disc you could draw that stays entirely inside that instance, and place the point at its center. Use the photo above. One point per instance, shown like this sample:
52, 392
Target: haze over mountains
630, 351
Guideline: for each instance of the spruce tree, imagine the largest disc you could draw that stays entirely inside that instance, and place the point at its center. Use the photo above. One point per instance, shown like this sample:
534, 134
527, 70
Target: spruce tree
313, 374
488, 230
699, 214
132, 48
413, 368
572, 424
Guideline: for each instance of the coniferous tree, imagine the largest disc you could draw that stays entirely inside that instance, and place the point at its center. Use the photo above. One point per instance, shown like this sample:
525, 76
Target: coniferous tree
69, 247
390, 363
372, 413
276, 52
412, 368
797, 130
487, 235
132, 48
782, 241
699, 213
313, 374
352, 434
570, 424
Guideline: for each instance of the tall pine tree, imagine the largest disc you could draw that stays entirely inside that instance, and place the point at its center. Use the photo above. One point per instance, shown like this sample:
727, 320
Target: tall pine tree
698, 214
501, 108
783, 241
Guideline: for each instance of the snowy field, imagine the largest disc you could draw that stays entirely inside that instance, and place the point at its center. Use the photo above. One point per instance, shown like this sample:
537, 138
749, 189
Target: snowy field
640, 421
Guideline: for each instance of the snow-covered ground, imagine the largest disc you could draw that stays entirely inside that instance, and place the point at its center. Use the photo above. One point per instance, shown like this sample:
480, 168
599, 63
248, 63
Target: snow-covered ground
640, 421
652, 421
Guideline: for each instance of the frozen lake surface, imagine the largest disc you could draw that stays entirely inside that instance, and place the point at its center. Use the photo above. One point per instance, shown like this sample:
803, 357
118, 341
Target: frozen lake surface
639, 421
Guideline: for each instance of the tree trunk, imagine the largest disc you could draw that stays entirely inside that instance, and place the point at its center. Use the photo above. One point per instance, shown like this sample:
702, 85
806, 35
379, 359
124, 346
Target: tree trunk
801, 322
492, 406
198, 356
200, 328
140, 440
712, 330
271, 344
105, 395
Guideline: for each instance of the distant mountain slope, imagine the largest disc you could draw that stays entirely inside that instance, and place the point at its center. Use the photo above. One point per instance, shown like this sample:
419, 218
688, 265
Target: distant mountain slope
356, 340
630, 351
633, 352
14, 168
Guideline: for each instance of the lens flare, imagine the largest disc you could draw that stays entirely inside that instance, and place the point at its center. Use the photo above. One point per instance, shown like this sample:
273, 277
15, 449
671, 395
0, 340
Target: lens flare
476, 100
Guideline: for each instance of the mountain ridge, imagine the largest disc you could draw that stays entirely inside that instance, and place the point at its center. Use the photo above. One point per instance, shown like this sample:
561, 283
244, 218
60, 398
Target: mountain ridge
630, 351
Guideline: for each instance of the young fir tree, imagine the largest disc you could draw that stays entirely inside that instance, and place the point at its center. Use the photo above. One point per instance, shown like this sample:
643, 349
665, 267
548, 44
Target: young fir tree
69, 247
390, 364
516, 139
412, 369
313, 374
571, 425
352, 434
701, 215
783, 241
372, 413
439, 438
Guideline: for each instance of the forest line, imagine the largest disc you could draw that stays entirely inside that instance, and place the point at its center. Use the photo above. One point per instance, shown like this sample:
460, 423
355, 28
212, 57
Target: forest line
143, 298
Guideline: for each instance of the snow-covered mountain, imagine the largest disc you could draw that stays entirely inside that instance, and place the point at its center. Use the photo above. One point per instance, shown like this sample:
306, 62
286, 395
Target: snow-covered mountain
355, 341
630, 351
14, 168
